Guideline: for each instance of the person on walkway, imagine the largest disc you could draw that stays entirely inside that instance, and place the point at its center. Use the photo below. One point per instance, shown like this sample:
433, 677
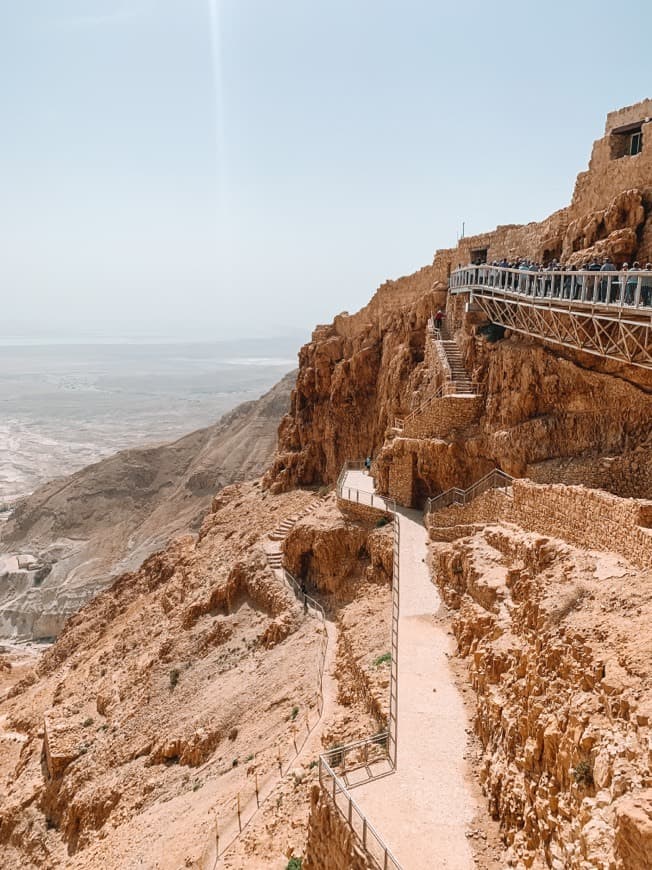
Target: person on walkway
646, 285
367, 464
630, 282
439, 319
607, 266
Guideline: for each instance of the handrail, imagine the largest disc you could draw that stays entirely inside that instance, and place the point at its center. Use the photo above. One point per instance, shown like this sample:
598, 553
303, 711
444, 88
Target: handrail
351, 812
372, 842
627, 290
494, 479
450, 387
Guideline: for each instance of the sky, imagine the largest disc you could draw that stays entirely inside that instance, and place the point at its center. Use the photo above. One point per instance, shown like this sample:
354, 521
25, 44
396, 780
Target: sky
226, 168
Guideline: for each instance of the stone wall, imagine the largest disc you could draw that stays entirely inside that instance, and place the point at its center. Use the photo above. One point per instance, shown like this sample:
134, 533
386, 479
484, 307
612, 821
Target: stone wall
401, 479
610, 212
331, 843
588, 518
628, 475
443, 416
361, 512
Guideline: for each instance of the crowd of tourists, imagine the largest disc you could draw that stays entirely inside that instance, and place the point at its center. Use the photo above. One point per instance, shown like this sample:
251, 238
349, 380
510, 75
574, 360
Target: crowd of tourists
571, 282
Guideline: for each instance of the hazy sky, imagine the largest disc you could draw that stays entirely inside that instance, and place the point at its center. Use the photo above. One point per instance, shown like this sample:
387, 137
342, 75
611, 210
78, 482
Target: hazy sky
225, 167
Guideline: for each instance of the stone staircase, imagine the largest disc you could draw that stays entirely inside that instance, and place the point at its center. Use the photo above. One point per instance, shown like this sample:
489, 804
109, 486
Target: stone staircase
274, 549
423, 421
459, 374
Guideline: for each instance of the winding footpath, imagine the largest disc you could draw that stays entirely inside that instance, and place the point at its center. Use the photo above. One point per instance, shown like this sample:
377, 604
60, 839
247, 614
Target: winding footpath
424, 810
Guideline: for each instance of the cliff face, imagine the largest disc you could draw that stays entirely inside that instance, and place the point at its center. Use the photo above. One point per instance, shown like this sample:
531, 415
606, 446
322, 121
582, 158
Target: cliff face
86, 529
556, 640
354, 377
540, 403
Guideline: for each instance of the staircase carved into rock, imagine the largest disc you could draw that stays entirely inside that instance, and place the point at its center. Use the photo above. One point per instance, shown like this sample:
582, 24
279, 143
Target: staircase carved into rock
455, 404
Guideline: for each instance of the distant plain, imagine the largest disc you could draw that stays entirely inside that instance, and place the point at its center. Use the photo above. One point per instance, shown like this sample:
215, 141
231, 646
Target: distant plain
64, 406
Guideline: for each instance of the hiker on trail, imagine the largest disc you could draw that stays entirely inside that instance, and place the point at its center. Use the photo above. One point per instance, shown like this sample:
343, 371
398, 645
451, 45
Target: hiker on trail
367, 464
305, 596
439, 317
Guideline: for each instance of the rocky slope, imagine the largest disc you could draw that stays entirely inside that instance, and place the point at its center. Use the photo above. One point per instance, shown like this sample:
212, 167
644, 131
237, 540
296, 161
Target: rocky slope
86, 529
167, 694
557, 643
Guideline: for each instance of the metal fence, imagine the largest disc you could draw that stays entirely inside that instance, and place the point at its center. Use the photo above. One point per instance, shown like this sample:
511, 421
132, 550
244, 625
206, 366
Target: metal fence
376, 756
372, 842
495, 479
630, 290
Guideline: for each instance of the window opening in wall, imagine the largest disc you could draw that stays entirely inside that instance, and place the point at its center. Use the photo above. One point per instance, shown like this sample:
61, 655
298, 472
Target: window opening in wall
626, 141
479, 255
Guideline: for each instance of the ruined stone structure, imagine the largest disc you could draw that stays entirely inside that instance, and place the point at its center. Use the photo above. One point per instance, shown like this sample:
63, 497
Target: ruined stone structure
588, 518
610, 213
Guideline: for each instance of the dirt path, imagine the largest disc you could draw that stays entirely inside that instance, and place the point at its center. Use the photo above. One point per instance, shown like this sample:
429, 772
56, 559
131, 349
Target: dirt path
426, 808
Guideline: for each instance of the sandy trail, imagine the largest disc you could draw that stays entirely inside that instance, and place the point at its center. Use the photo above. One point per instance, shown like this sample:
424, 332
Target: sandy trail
424, 810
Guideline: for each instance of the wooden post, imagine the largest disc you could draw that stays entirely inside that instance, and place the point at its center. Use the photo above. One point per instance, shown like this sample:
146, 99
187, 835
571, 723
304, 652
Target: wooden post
217, 837
256, 781
294, 737
239, 820
280, 765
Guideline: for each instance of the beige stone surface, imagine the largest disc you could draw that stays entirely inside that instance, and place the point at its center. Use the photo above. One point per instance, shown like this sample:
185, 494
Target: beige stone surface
557, 644
426, 808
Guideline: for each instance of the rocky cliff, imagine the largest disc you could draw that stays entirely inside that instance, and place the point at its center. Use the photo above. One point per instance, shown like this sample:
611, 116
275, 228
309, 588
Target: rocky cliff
84, 530
151, 713
541, 403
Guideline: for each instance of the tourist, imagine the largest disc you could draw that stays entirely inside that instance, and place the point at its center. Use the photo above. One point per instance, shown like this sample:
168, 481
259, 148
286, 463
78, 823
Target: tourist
367, 464
607, 266
439, 318
631, 282
646, 285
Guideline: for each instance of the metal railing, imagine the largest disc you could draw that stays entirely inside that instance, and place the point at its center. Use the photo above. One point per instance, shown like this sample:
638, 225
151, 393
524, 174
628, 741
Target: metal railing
267, 763
614, 289
450, 387
376, 756
311, 606
495, 479
372, 842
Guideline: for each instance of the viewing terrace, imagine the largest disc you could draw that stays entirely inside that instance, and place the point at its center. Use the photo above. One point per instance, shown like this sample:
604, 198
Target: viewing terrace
606, 313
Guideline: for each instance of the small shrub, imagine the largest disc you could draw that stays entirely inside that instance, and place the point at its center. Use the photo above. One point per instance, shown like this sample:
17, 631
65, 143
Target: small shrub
583, 773
250, 757
294, 713
197, 785
175, 673
381, 522
323, 490
88, 721
385, 658
313, 763
294, 864
234, 763
233, 733
493, 332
